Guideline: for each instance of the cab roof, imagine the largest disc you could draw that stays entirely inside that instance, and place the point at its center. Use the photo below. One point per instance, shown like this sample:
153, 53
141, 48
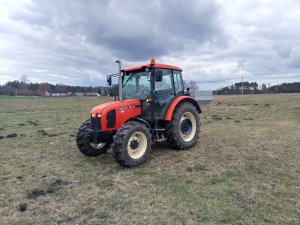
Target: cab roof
152, 64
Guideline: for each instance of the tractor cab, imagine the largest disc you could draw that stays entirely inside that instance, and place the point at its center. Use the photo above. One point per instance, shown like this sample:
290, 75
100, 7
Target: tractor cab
155, 85
152, 107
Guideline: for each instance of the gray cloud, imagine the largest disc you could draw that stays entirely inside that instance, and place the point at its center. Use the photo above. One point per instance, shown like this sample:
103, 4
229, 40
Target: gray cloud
77, 42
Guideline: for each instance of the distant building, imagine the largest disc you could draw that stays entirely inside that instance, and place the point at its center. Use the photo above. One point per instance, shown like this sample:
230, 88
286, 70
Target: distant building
203, 97
92, 94
79, 94
58, 94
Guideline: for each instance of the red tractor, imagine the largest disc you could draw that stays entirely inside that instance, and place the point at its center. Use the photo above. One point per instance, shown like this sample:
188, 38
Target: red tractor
152, 107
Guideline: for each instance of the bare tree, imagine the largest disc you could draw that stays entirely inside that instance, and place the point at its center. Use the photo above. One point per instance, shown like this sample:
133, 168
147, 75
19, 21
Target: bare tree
23, 89
193, 85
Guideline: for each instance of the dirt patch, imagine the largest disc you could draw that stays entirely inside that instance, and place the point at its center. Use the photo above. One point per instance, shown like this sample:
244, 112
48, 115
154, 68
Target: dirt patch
56, 185
198, 167
237, 121
22, 207
59, 182
72, 135
33, 123
45, 133
266, 105
42, 132
242, 201
19, 177
216, 117
228, 118
35, 194
51, 190
12, 135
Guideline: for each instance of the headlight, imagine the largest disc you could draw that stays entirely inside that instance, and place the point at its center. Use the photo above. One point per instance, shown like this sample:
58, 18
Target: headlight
94, 115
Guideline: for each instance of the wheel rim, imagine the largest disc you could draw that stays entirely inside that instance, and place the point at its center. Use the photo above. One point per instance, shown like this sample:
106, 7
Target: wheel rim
137, 145
97, 146
187, 126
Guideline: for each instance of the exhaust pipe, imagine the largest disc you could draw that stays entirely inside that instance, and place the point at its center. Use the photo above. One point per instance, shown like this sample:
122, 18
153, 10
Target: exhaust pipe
120, 81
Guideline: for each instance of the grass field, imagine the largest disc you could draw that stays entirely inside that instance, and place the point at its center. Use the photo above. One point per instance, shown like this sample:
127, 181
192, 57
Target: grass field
245, 169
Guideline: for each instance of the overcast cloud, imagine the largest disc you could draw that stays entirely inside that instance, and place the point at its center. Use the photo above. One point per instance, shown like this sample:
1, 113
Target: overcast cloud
215, 42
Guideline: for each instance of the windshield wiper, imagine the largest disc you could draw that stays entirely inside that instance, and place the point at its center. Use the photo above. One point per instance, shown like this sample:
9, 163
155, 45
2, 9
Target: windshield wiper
130, 76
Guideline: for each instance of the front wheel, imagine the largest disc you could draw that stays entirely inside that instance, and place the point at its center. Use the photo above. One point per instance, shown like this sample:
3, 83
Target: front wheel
84, 143
183, 130
132, 144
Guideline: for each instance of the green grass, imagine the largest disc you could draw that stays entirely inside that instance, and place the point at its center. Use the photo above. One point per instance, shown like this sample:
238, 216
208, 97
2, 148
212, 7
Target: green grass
244, 170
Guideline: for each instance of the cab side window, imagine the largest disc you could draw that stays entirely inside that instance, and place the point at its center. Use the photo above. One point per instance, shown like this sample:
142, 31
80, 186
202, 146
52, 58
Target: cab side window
166, 83
178, 82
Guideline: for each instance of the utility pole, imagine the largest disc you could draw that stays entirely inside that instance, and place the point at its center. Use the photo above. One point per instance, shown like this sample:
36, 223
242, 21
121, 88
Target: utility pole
242, 85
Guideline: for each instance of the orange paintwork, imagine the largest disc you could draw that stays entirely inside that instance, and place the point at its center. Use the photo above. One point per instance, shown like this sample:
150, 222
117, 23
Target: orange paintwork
171, 108
124, 111
157, 65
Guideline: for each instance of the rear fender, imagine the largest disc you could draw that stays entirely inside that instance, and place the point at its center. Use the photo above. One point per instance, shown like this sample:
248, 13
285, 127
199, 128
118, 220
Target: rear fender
177, 101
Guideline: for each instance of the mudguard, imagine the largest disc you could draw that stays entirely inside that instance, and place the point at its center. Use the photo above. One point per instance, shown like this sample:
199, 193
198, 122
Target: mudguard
179, 100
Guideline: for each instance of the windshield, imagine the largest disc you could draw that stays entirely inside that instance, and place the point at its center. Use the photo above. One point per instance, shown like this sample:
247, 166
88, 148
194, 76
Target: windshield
136, 85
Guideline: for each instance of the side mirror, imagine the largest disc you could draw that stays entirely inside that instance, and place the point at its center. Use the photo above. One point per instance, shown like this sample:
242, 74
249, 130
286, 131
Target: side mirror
158, 76
109, 80
188, 91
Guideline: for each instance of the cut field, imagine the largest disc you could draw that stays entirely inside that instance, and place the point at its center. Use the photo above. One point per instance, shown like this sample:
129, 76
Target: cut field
244, 170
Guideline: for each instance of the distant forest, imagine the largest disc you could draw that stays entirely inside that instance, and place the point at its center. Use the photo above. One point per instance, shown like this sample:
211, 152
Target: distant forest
253, 88
25, 88
42, 89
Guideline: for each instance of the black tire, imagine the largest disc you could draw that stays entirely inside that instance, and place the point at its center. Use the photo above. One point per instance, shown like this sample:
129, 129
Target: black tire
175, 136
83, 141
124, 145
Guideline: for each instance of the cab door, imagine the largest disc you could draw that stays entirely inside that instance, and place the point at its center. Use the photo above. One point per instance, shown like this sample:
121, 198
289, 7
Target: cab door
164, 92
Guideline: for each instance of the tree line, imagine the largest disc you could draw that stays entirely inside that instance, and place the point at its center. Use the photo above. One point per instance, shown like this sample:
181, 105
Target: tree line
23, 87
26, 88
42, 89
253, 88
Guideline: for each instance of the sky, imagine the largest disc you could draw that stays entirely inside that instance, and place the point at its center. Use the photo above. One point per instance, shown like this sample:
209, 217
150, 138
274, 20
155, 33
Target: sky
216, 43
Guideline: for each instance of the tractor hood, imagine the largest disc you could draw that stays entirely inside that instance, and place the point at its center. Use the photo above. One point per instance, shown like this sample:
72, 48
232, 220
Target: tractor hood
120, 106
111, 116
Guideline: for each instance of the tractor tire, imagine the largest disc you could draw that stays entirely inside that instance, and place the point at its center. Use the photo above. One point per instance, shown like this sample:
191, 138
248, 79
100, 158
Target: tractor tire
183, 130
132, 144
84, 144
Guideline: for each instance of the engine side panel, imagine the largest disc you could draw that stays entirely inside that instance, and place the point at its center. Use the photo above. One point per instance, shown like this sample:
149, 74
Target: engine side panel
115, 114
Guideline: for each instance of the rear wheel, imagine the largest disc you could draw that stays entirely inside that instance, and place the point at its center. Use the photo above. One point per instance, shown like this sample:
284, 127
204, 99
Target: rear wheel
183, 130
132, 144
84, 144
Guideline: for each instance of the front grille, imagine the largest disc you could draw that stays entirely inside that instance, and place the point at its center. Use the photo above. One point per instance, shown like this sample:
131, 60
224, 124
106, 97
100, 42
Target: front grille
96, 123
111, 119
